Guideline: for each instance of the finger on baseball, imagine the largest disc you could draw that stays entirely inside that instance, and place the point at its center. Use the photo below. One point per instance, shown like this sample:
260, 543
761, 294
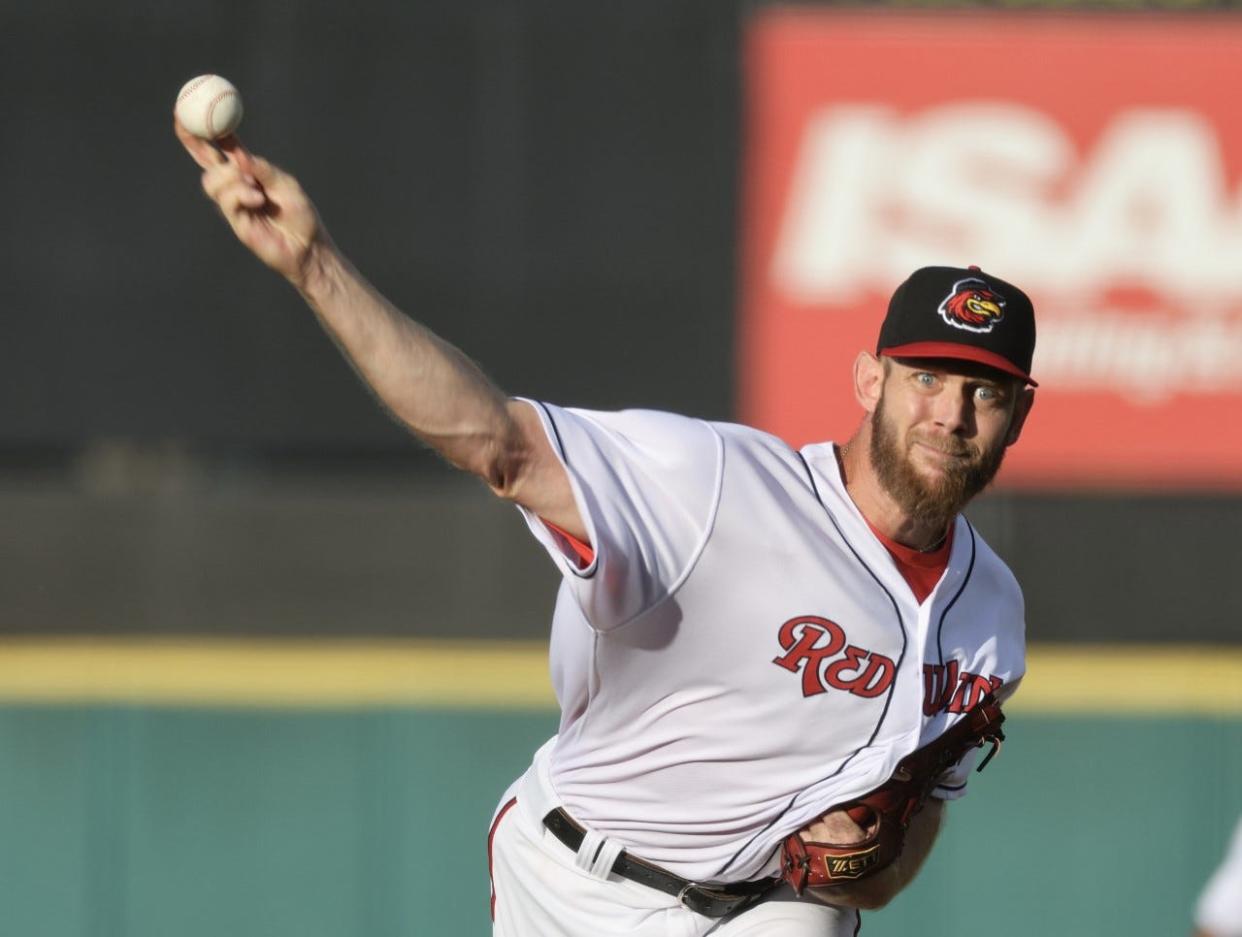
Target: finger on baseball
233, 193
217, 177
253, 165
240, 197
264, 171
247, 162
199, 149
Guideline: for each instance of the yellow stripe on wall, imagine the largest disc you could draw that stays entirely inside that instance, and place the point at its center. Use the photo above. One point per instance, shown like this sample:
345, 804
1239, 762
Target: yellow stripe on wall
296, 673
1133, 679
1063, 679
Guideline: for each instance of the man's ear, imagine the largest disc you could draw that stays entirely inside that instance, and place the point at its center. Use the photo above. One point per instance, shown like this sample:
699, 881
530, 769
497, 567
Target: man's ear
868, 380
1026, 400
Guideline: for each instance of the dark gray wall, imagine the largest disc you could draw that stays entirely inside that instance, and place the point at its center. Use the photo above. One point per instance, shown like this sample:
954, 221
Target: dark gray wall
552, 184
227, 553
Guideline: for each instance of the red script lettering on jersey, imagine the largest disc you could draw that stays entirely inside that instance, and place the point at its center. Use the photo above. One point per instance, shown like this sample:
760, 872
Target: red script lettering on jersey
944, 688
820, 647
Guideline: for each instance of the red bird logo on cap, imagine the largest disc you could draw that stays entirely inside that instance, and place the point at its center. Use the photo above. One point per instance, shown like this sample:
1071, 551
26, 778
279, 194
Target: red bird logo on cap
973, 305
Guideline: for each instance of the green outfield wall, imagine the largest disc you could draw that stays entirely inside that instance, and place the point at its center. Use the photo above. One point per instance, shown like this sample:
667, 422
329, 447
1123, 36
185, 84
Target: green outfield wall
146, 821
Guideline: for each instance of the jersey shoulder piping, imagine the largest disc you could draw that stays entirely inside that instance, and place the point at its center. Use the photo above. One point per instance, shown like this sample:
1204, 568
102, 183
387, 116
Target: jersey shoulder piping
708, 528
589, 571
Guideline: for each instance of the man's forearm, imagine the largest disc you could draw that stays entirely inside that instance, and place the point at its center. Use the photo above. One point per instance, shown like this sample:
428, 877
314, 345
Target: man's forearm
875, 891
426, 383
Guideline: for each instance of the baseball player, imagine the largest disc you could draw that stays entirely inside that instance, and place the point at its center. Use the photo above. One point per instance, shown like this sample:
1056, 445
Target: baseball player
1218, 912
775, 667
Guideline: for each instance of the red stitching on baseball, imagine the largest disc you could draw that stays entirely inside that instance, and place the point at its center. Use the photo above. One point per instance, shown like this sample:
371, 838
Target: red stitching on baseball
193, 86
211, 110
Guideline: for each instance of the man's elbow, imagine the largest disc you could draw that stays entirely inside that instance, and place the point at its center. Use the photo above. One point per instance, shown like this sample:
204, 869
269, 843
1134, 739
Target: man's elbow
505, 469
499, 455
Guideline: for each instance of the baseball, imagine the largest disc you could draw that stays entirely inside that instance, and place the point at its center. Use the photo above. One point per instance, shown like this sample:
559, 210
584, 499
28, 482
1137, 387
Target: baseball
209, 107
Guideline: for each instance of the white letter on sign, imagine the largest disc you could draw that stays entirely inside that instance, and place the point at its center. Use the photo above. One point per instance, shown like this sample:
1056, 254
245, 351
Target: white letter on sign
1148, 208
978, 179
829, 234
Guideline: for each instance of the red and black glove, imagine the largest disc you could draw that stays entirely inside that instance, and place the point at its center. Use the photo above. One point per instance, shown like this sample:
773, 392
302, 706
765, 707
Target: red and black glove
885, 813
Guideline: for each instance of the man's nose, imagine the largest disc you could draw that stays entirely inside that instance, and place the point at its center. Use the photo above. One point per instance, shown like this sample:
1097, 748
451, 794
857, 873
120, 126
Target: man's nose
952, 411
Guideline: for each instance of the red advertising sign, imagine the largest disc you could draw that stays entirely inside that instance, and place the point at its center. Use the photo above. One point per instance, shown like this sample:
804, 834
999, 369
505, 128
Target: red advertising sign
1095, 161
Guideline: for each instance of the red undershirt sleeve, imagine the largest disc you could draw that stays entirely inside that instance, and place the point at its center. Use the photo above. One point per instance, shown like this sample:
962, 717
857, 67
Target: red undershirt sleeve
583, 551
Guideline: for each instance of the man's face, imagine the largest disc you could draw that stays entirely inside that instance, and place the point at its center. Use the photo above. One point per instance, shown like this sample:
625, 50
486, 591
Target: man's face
939, 432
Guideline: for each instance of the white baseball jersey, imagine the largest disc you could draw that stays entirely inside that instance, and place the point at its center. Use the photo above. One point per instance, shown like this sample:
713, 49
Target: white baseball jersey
743, 653
1219, 909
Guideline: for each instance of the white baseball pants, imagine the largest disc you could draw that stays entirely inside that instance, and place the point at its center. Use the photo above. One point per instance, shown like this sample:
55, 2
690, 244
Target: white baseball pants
540, 888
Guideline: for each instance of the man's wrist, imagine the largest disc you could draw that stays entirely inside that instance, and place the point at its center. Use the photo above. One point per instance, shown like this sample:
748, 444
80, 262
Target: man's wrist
321, 274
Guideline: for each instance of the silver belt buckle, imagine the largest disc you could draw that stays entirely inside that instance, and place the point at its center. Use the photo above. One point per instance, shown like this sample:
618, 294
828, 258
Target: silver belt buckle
681, 895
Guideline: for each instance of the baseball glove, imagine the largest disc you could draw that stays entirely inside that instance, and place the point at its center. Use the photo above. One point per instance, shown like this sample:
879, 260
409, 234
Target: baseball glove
885, 813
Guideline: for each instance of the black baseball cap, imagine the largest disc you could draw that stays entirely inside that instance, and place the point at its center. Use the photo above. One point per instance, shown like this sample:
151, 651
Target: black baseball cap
964, 313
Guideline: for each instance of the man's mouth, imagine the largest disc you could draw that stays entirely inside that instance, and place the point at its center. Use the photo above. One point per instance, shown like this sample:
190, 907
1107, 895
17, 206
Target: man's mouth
944, 453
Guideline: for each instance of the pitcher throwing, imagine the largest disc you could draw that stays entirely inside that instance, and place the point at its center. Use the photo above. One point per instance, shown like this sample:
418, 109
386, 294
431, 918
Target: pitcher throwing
774, 666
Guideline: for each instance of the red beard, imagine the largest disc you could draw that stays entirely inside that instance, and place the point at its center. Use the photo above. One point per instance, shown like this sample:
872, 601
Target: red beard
922, 498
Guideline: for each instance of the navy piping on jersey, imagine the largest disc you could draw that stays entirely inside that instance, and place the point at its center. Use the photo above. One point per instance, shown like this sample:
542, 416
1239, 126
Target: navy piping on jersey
888, 698
970, 568
858, 926
905, 638
560, 448
560, 445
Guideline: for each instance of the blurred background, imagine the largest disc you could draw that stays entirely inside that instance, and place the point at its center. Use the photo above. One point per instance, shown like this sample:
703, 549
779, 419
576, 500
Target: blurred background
266, 665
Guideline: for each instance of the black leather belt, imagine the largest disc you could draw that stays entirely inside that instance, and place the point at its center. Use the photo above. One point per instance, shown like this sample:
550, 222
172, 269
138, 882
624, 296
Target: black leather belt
709, 900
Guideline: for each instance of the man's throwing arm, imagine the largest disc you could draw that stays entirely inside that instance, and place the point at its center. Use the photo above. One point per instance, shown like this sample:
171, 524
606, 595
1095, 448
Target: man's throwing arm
428, 385
440, 395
